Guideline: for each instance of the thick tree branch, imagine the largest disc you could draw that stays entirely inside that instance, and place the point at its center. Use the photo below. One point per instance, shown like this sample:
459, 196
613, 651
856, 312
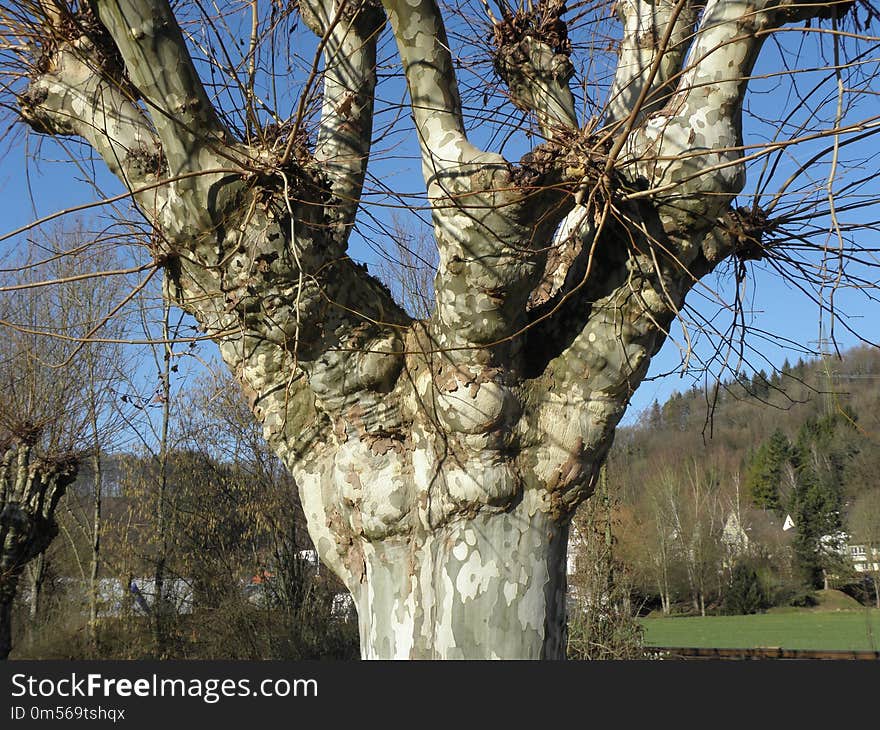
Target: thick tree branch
694, 144
656, 37
532, 56
75, 93
476, 205
599, 369
433, 88
74, 100
159, 65
343, 147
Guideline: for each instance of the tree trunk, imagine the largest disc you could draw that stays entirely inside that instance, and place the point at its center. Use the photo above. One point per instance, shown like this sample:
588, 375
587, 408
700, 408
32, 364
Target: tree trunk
36, 573
489, 587
96, 546
7, 596
161, 616
438, 460
30, 487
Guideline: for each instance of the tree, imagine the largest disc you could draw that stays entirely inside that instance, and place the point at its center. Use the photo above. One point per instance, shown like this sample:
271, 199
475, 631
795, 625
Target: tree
765, 473
602, 624
745, 594
31, 486
57, 395
440, 459
864, 523
820, 456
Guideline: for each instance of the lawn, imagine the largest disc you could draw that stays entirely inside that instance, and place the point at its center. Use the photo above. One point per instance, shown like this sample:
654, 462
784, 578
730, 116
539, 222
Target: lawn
843, 630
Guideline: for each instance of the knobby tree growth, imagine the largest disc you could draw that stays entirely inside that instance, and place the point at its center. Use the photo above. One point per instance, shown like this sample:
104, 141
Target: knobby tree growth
30, 487
440, 459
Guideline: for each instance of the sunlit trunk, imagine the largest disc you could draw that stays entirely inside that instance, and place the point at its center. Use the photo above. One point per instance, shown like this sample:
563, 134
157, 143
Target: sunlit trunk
490, 587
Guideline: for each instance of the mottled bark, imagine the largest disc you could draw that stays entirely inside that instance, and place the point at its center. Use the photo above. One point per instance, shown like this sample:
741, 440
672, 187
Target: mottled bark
488, 587
30, 487
656, 36
439, 461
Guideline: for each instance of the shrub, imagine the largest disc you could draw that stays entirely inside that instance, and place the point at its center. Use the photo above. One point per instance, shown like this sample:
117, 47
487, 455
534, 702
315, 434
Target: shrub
746, 593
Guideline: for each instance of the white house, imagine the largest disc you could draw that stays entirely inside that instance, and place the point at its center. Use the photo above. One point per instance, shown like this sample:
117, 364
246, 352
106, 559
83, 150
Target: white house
862, 561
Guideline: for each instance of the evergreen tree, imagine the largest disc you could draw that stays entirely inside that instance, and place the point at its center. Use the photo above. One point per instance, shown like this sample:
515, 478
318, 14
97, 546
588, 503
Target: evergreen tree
823, 451
676, 412
766, 469
760, 386
746, 594
655, 416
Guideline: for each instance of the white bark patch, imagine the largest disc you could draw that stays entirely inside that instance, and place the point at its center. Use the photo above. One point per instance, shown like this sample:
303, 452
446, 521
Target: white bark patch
510, 591
475, 576
444, 637
460, 551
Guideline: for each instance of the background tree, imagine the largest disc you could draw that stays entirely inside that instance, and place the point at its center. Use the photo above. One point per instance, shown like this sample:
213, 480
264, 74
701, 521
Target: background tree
766, 471
236, 516
440, 459
822, 452
42, 424
602, 617
864, 524
746, 593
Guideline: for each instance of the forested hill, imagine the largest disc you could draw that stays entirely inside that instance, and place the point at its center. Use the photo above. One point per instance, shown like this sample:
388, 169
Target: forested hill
803, 442
731, 425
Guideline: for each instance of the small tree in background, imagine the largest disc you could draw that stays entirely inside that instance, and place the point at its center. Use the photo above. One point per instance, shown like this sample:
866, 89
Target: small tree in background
602, 620
765, 473
746, 592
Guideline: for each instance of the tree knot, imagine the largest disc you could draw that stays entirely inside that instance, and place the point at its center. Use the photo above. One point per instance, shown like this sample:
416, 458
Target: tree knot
748, 228
543, 22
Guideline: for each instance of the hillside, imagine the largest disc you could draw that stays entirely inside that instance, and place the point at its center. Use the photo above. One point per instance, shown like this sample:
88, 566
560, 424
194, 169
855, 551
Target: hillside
704, 483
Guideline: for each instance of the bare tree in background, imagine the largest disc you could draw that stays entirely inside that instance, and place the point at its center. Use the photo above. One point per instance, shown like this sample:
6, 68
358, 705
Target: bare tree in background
864, 524
37, 440
57, 392
440, 459
30, 487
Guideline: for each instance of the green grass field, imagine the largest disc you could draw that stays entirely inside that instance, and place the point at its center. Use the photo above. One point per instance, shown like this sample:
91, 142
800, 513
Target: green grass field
827, 630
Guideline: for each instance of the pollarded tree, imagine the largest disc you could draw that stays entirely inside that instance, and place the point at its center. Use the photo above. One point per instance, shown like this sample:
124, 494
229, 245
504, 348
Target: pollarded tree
56, 396
440, 460
30, 487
